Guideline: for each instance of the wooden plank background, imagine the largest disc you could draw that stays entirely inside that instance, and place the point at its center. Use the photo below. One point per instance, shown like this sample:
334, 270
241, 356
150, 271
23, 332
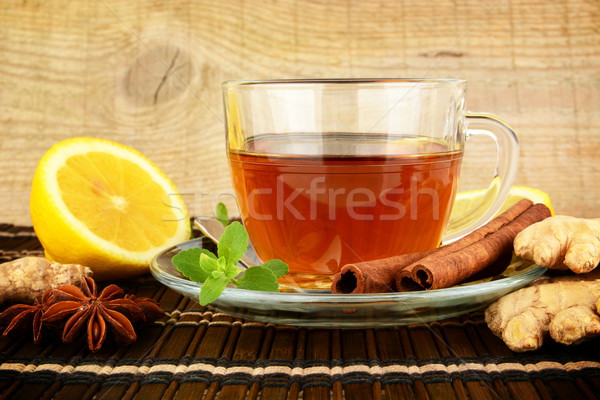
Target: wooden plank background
148, 74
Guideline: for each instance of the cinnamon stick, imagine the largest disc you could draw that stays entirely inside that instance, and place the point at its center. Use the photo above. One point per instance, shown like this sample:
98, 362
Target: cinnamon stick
377, 276
495, 224
491, 252
380, 276
405, 277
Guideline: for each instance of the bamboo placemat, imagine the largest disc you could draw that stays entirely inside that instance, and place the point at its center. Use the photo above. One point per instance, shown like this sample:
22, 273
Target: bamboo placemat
195, 353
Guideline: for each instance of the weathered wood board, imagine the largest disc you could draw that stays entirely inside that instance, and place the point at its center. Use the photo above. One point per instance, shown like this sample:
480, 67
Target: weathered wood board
148, 74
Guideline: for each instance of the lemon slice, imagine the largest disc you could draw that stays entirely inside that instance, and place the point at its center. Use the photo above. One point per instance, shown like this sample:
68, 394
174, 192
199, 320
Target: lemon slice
467, 200
102, 204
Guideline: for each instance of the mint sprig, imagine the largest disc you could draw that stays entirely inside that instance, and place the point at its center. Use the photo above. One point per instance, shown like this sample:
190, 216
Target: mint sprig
216, 272
221, 214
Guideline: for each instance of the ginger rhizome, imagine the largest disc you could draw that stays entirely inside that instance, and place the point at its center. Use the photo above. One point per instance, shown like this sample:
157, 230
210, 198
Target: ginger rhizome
566, 308
561, 242
25, 279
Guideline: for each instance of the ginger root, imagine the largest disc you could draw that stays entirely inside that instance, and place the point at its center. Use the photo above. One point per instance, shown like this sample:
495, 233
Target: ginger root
566, 308
561, 242
25, 279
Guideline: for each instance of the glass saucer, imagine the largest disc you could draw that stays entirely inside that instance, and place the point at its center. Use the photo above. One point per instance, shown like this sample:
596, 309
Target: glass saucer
323, 309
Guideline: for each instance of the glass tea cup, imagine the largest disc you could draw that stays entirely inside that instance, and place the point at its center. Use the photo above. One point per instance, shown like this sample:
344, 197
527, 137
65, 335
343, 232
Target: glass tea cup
331, 172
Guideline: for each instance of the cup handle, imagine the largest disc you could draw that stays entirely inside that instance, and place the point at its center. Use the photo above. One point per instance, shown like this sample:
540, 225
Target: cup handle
498, 190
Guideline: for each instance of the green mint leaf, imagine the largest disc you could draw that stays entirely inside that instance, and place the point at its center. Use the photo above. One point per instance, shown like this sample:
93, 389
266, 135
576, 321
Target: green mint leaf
278, 267
217, 274
211, 289
222, 214
188, 263
232, 271
208, 263
222, 264
233, 243
208, 253
214, 273
258, 278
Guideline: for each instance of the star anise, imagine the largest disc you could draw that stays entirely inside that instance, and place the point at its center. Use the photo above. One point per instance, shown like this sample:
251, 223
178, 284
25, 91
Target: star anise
151, 310
19, 317
107, 312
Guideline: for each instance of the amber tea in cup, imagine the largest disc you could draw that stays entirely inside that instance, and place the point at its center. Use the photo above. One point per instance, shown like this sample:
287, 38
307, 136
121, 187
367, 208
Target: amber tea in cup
332, 172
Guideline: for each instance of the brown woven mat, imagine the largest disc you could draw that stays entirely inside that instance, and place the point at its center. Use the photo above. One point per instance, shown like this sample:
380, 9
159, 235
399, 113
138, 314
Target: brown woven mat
195, 353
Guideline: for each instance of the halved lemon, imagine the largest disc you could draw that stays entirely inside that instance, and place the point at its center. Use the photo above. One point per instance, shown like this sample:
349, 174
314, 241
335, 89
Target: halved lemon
104, 205
467, 200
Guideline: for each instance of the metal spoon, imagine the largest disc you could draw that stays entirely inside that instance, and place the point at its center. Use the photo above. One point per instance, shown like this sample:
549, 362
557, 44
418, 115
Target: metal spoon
213, 229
